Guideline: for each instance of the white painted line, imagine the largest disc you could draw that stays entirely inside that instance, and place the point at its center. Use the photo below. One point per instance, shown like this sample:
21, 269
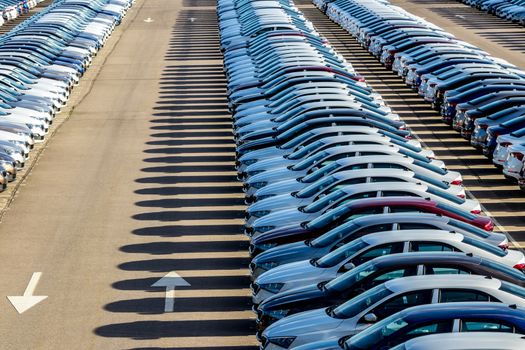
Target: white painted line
28, 300
170, 281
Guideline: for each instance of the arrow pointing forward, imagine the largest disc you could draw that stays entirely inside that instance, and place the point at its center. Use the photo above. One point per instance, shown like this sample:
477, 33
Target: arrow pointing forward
28, 300
148, 20
170, 281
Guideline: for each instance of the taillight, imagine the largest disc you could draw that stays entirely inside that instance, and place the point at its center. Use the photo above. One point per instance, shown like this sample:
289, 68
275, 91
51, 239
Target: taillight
408, 137
503, 246
456, 182
476, 211
483, 126
517, 155
462, 195
520, 267
505, 144
489, 226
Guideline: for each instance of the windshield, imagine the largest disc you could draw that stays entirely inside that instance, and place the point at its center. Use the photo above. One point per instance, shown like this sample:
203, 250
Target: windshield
334, 235
377, 332
329, 217
323, 202
342, 253
360, 303
457, 211
513, 289
348, 279
312, 189
485, 246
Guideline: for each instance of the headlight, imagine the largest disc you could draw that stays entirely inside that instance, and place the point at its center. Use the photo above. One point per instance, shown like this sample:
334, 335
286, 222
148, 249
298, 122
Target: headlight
272, 287
283, 342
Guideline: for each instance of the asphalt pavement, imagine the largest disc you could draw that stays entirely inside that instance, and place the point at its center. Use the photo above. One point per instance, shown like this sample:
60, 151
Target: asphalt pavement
130, 222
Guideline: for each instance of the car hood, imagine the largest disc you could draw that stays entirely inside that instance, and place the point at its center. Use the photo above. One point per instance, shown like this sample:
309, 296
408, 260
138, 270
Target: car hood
280, 300
285, 217
314, 321
275, 175
277, 202
281, 187
287, 253
269, 163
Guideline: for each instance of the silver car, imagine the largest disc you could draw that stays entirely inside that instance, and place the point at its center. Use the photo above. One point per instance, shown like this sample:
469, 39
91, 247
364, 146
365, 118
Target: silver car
368, 247
382, 301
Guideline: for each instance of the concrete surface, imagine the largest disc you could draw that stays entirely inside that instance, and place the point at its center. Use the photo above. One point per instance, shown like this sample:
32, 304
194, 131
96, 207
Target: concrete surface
138, 182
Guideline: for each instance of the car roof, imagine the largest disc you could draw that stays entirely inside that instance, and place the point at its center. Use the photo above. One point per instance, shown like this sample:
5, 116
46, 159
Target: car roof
466, 340
405, 235
400, 217
402, 284
436, 311
426, 258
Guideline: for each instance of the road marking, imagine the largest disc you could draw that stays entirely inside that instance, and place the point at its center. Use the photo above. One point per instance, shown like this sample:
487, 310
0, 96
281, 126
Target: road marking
225, 342
170, 281
28, 300
149, 20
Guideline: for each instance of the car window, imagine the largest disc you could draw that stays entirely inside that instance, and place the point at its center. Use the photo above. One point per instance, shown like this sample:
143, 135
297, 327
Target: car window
485, 326
401, 302
385, 179
421, 330
431, 247
404, 209
398, 194
416, 226
384, 276
389, 165
377, 210
459, 295
374, 228
445, 270
384, 249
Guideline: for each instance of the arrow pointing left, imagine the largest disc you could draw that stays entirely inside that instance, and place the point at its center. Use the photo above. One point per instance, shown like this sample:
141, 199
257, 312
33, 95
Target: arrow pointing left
28, 300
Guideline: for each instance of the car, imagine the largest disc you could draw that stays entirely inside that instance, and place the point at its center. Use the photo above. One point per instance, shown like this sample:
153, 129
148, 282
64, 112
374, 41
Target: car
438, 318
488, 340
261, 180
360, 250
499, 123
292, 168
503, 142
314, 225
384, 300
310, 147
314, 242
374, 272
296, 215
356, 191
513, 166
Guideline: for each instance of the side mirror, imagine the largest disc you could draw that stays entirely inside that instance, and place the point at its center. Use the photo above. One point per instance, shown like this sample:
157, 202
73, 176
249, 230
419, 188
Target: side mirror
348, 266
370, 318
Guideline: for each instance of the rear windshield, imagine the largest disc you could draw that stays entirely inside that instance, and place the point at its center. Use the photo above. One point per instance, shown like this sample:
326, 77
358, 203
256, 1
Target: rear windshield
485, 246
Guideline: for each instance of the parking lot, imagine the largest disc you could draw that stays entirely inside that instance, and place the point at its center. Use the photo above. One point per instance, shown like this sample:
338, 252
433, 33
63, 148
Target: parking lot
500, 198
133, 212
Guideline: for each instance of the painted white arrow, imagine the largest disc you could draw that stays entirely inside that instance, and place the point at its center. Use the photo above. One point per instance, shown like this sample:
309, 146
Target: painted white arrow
148, 20
170, 281
28, 300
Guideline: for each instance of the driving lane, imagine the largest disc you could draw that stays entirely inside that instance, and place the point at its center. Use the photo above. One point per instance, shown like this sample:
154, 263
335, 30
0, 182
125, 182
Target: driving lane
136, 185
